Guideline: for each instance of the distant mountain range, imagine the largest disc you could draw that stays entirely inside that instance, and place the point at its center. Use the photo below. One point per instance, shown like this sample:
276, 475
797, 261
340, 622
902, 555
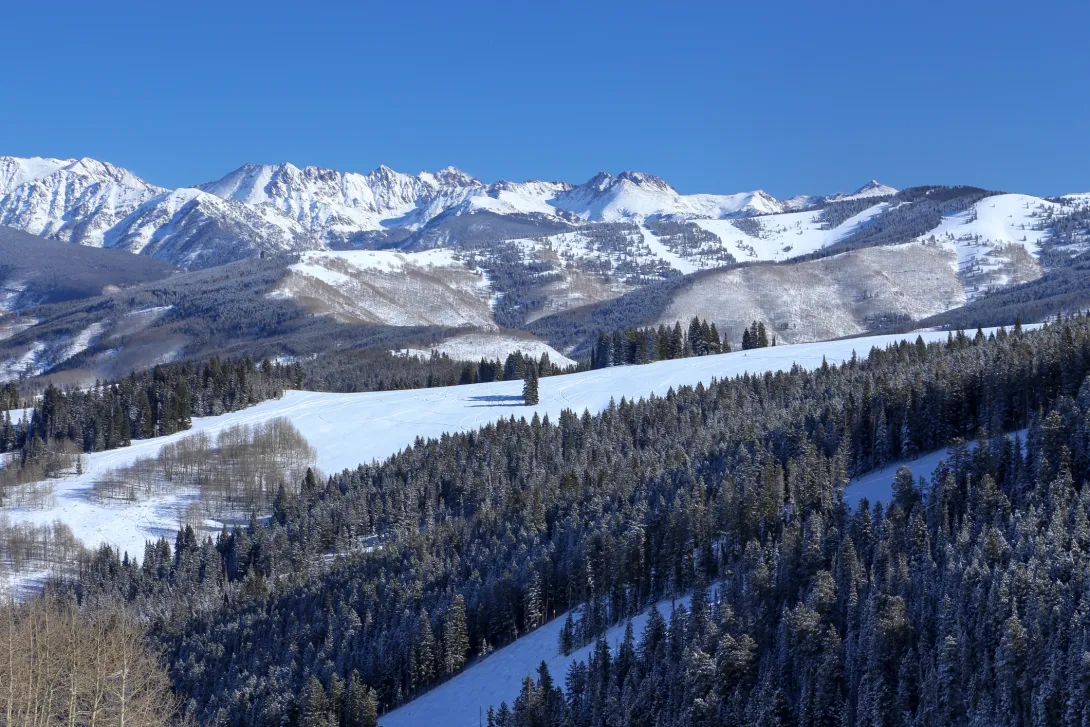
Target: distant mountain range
286, 208
395, 260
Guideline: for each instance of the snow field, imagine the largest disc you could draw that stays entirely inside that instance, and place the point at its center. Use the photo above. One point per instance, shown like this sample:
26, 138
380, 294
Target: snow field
350, 429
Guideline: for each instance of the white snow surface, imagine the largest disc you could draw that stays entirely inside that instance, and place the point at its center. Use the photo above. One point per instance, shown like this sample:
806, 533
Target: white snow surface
350, 429
784, 236
635, 196
877, 485
1003, 219
498, 677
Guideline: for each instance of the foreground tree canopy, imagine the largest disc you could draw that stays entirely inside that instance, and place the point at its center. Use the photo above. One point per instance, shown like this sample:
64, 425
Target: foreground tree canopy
62, 667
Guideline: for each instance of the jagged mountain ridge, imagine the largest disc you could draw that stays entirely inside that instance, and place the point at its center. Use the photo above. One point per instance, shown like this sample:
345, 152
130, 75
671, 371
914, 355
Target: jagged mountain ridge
283, 207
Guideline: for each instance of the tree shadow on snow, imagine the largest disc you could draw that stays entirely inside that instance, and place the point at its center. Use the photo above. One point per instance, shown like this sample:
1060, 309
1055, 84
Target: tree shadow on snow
497, 400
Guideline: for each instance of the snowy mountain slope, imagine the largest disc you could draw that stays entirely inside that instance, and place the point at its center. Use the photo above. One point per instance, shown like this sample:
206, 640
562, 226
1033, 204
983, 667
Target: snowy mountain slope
287, 207
635, 196
877, 485
998, 240
783, 236
498, 677
347, 429
195, 229
75, 200
38, 357
15, 171
826, 298
390, 287
338, 203
873, 188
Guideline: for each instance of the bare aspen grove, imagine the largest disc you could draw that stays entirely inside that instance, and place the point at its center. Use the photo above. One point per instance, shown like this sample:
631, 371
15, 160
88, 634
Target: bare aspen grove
26, 547
59, 666
239, 471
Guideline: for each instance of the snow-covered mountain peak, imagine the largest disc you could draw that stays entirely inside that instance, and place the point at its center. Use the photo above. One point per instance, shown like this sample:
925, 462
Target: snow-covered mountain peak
873, 188
15, 170
454, 177
645, 180
75, 200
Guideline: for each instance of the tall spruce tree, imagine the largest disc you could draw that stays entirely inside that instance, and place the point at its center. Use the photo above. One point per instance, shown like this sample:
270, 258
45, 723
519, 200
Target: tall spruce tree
529, 387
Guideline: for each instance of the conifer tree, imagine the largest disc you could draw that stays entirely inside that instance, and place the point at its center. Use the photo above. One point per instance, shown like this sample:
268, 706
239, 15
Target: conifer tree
455, 636
529, 387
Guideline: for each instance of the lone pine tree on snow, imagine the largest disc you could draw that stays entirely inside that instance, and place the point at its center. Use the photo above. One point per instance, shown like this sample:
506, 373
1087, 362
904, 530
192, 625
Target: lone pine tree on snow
529, 387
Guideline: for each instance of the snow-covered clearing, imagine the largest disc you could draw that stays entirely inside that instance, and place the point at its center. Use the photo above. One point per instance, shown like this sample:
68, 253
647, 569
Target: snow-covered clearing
877, 485
498, 677
349, 429
27, 364
1002, 219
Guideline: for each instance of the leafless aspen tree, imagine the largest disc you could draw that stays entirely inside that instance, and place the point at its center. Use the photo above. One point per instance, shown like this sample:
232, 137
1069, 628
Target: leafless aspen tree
60, 667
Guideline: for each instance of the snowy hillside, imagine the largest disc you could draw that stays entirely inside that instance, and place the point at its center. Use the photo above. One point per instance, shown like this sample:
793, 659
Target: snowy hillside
75, 200
194, 229
873, 188
783, 236
325, 201
347, 429
392, 288
998, 240
834, 296
498, 677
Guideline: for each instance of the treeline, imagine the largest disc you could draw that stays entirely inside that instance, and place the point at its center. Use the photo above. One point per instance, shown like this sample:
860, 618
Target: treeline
646, 345
10, 397
369, 370
140, 406
690, 240
913, 212
836, 213
739, 482
66, 421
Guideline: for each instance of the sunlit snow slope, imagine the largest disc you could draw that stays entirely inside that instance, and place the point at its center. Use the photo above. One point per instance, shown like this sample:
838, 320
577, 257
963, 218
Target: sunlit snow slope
498, 677
349, 429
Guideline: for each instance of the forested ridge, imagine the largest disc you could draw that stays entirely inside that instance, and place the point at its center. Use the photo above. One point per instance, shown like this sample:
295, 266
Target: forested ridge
964, 603
64, 422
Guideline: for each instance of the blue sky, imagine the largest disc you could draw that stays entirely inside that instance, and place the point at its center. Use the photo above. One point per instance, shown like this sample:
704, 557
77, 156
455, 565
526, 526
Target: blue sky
714, 97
